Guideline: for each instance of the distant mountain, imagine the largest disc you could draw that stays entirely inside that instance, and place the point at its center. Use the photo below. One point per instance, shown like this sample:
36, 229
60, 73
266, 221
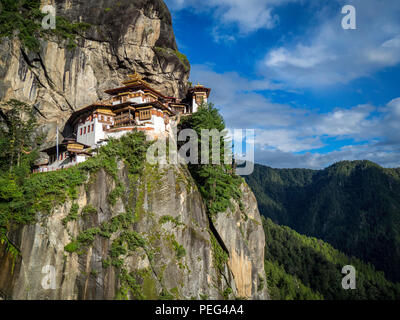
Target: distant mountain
355, 206
298, 267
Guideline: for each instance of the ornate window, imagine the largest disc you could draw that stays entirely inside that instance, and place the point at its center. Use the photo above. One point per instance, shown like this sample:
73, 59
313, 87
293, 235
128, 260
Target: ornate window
145, 115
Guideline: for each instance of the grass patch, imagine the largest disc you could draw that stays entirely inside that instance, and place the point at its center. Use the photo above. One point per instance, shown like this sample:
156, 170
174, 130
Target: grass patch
179, 250
220, 257
88, 210
72, 247
167, 52
167, 218
72, 215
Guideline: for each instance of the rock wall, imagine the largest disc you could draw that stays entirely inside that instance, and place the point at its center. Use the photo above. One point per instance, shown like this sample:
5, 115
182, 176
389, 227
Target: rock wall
124, 35
178, 259
169, 213
241, 231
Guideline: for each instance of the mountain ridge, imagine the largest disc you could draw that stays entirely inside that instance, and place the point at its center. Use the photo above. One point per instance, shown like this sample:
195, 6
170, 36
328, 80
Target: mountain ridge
353, 205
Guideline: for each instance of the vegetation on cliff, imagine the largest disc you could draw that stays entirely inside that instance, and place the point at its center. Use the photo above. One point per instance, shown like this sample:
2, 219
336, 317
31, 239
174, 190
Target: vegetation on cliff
23, 18
354, 206
168, 52
19, 150
218, 183
300, 267
23, 194
18, 141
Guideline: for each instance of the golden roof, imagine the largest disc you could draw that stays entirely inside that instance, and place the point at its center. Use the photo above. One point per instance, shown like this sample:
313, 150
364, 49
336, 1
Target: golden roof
134, 79
105, 103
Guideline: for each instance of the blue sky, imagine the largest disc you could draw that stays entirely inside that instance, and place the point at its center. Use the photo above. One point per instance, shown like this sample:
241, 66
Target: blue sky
315, 93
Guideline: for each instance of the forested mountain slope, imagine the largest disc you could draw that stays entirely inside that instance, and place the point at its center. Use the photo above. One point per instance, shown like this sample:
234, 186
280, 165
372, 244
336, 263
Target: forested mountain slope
301, 267
355, 206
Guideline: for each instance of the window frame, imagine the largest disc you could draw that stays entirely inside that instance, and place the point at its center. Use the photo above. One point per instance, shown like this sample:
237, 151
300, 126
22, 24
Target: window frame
145, 114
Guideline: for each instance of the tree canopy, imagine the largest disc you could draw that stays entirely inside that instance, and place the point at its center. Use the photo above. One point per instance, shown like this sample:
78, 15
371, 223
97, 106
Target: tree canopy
300, 267
354, 206
217, 183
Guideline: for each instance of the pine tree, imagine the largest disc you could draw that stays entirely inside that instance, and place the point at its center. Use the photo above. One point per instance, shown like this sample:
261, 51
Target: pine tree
217, 182
18, 140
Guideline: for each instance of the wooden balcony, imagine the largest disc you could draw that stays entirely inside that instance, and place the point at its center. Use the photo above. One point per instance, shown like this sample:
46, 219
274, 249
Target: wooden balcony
124, 120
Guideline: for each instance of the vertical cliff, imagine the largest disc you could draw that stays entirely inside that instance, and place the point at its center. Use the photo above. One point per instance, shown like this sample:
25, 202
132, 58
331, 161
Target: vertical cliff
123, 36
119, 235
165, 249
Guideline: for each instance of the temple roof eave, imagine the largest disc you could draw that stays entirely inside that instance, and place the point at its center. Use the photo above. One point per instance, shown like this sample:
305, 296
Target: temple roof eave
133, 86
90, 108
63, 147
200, 89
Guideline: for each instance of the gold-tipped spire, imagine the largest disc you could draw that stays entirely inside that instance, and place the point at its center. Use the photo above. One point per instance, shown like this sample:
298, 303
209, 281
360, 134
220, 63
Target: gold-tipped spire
134, 78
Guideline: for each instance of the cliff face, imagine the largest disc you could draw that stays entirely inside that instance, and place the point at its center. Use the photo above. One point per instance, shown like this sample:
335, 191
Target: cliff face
242, 233
169, 248
123, 36
175, 254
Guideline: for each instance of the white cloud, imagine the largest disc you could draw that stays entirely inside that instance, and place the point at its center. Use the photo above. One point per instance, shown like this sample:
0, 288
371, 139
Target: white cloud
327, 54
289, 136
387, 157
394, 106
353, 122
248, 16
285, 140
306, 57
283, 131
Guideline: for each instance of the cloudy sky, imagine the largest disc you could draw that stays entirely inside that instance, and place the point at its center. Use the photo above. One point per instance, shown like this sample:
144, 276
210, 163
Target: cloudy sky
315, 93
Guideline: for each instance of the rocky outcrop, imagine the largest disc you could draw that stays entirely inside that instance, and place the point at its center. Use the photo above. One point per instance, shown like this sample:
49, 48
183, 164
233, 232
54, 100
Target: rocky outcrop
241, 231
153, 241
177, 258
123, 36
